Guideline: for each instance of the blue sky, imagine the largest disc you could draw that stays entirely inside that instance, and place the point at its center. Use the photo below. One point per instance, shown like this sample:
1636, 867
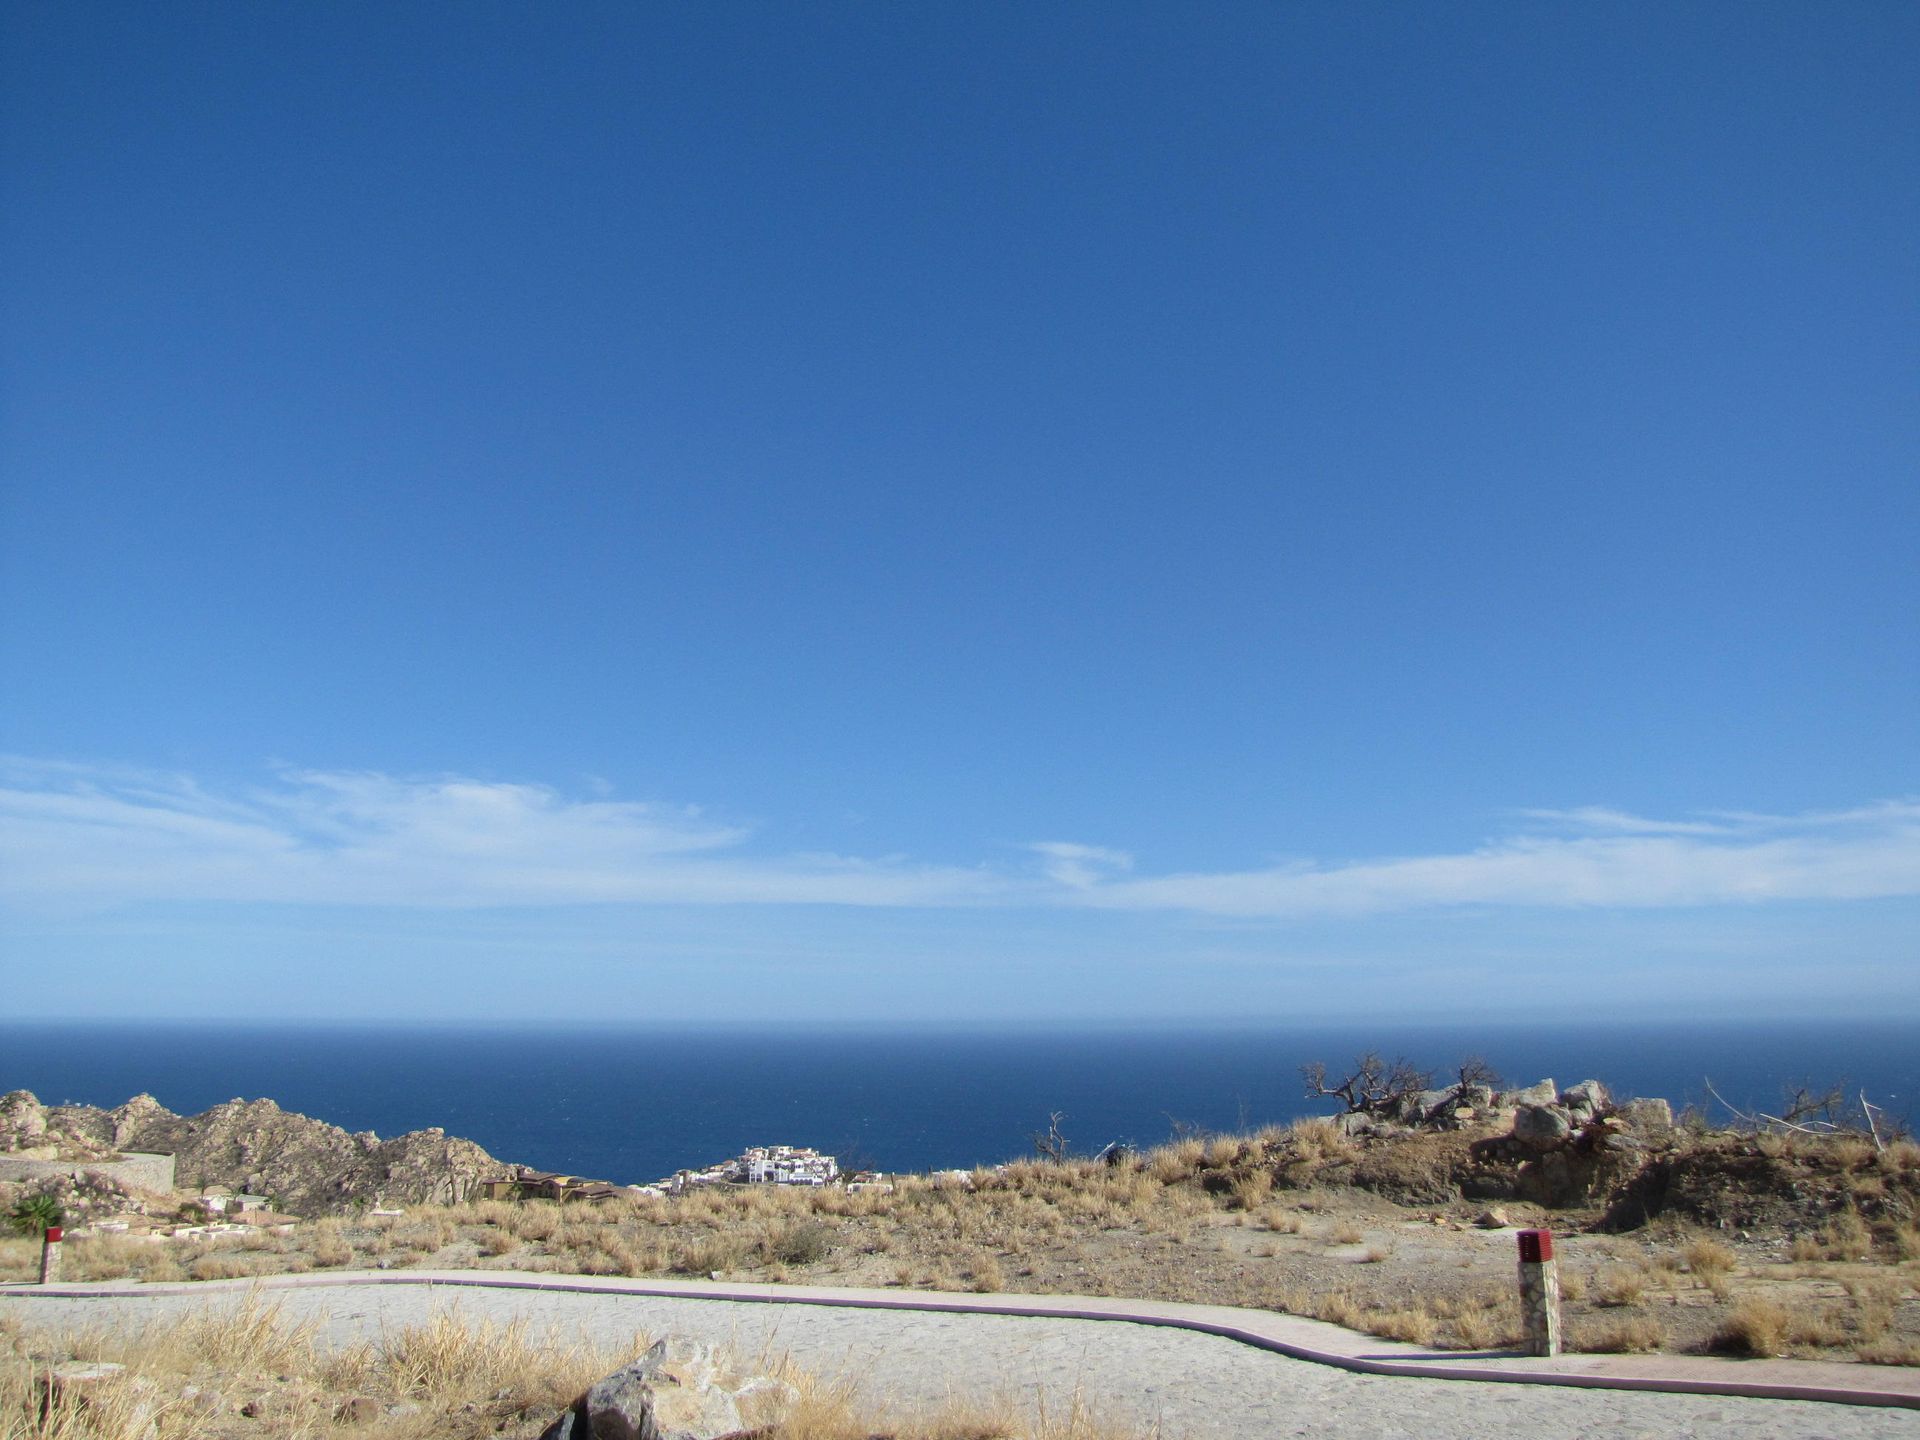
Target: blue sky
960, 512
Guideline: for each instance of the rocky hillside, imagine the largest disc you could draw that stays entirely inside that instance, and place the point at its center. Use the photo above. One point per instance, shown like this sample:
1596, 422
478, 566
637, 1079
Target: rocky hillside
308, 1166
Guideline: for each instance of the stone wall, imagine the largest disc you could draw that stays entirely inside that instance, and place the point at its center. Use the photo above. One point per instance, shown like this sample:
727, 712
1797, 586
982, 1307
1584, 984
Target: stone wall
132, 1169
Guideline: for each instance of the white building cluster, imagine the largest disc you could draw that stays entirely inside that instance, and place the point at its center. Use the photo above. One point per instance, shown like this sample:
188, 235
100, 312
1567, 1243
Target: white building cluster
762, 1165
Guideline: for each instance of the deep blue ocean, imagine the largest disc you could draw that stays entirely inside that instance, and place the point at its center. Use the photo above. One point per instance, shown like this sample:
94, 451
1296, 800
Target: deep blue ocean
637, 1105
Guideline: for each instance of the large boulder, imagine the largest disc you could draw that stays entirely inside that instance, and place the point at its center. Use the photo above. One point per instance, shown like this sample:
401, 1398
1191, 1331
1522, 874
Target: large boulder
1648, 1117
678, 1390
1542, 1127
1545, 1093
1587, 1099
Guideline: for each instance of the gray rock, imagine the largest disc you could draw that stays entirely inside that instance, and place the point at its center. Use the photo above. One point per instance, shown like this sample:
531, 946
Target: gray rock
1541, 1127
1423, 1105
1545, 1093
619, 1407
678, 1390
1647, 1116
1588, 1095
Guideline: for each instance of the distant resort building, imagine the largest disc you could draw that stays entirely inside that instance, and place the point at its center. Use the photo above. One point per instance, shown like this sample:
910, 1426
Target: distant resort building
523, 1182
761, 1165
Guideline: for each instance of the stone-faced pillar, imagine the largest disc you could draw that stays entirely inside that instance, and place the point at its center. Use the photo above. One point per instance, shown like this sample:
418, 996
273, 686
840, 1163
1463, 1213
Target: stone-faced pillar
1539, 1292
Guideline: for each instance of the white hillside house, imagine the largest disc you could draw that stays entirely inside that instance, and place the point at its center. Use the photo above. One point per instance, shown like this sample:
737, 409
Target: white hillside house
787, 1165
762, 1165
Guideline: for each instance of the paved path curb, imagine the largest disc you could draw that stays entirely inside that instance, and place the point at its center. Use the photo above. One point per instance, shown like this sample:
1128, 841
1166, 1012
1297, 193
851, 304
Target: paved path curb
1312, 1340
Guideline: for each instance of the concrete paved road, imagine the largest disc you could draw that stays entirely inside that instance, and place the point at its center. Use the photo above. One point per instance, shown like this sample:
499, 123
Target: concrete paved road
1191, 1386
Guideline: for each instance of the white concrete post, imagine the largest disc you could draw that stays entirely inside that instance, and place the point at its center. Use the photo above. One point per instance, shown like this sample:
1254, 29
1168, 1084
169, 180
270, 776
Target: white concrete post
1539, 1292
50, 1256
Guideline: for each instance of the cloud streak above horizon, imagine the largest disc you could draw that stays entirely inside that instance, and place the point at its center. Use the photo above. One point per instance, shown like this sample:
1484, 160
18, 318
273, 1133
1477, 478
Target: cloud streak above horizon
76, 837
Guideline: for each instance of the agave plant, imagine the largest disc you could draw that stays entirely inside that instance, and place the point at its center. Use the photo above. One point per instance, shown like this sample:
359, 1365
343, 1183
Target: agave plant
36, 1214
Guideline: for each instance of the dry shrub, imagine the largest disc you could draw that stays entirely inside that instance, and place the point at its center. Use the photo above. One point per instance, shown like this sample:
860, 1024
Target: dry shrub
107, 1257
1416, 1325
1639, 1334
449, 1362
1824, 1328
236, 1265
1754, 1327
328, 1247
1848, 1238
1620, 1287
803, 1242
1849, 1152
720, 1251
1251, 1189
1319, 1139
1845, 1237
1345, 1233
1709, 1260
1338, 1308
1284, 1222
535, 1220
984, 1274
1225, 1151
1481, 1330
248, 1336
1890, 1352
497, 1242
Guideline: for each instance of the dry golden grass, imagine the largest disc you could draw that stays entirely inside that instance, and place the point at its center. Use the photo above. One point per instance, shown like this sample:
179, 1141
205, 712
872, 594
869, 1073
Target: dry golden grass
1639, 1334
1890, 1352
1709, 1260
1849, 1152
1754, 1327
1319, 1139
1414, 1324
1845, 1237
449, 1379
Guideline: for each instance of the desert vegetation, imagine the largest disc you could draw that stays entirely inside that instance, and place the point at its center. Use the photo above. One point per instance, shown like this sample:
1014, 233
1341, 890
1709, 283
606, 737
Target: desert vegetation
1367, 1232
245, 1371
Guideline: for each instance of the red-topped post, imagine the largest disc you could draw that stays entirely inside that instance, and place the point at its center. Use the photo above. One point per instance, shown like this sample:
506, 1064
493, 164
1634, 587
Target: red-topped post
1539, 1292
50, 1255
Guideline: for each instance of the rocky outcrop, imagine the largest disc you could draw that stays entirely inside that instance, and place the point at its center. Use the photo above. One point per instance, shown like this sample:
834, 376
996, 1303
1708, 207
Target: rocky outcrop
23, 1122
1568, 1147
308, 1166
678, 1390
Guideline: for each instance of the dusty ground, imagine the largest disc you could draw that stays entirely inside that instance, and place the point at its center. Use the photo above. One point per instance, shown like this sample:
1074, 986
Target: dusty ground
1754, 1247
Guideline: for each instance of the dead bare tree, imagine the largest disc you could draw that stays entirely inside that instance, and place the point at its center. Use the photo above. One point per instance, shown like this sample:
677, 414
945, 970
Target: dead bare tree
1474, 1070
1049, 1144
1371, 1086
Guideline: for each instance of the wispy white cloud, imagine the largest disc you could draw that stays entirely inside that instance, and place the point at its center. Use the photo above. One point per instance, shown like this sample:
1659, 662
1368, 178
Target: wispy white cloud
75, 836
70, 836
1864, 854
1599, 818
1078, 867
